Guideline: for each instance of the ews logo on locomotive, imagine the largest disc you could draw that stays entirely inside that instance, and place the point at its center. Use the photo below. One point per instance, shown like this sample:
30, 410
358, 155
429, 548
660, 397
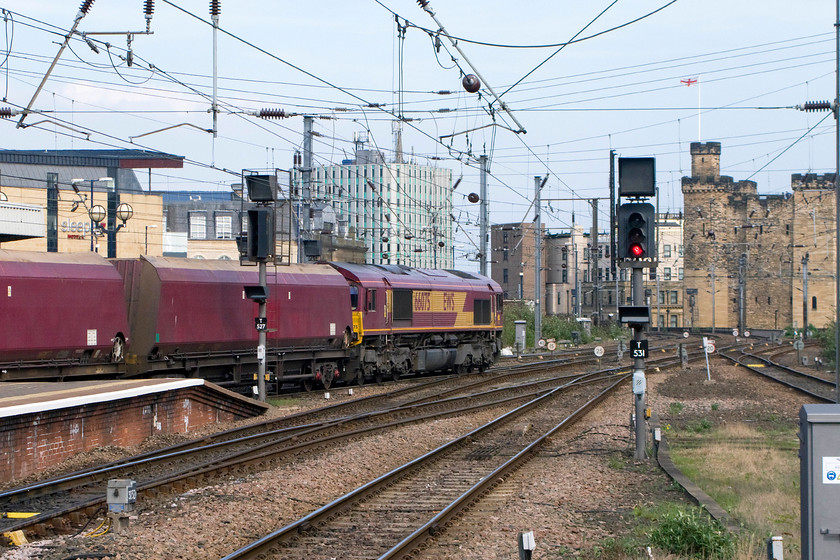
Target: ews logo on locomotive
434, 301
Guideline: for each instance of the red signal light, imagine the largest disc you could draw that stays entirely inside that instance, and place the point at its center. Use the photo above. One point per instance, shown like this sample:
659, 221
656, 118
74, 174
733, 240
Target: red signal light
637, 250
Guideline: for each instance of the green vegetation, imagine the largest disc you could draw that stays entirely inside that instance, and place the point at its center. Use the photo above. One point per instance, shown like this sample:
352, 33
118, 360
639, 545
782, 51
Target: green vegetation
690, 532
282, 401
675, 408
553, 326
826, 339
669, 528
751, 471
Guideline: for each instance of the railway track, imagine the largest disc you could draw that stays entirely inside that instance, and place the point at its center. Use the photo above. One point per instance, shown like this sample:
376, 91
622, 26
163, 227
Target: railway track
393, 514
815, 386
72, 497
69, 500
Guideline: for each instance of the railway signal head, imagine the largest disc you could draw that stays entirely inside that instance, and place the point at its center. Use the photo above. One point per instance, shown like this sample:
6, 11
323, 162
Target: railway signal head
636, 222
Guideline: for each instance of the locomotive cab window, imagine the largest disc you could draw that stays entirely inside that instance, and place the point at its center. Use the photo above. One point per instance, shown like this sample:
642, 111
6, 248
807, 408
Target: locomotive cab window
354, 298
403, 305
371, 300
481, 312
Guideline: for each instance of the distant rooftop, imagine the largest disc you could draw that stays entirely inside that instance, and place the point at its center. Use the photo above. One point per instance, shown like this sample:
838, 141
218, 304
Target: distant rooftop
29, 168
123, 159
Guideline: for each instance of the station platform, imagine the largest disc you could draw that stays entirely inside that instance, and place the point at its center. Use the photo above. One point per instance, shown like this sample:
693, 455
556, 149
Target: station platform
43, 424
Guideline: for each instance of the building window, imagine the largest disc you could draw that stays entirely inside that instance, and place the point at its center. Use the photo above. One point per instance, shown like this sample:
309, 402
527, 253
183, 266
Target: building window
666, 251
224, 227
666, 273
680, 250
662, 297
504, 276
662, 320
559, 297
814, 302
198, 225
504, 237
586, 276
681, 273
565, 278
674, 321
505, 254
674, 299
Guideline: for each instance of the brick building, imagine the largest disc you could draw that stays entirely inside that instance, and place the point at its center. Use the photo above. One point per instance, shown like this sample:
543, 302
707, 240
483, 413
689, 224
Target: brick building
756, 261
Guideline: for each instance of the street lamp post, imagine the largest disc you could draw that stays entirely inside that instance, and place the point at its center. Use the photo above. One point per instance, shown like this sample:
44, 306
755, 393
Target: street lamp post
97, 215
146, 250
88, 205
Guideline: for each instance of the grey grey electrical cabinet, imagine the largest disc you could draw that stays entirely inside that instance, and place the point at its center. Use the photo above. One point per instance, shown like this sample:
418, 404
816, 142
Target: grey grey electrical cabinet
819, 472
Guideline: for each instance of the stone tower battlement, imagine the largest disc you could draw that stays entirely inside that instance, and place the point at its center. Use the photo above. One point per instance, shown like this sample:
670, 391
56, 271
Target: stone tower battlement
812, 181
705, 161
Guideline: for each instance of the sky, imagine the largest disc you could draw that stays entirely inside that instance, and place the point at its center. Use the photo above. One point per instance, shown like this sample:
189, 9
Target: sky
620, 86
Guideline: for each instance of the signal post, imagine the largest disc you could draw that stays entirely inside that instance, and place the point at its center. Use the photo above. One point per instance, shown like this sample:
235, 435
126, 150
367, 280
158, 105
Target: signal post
260, 248
637, 251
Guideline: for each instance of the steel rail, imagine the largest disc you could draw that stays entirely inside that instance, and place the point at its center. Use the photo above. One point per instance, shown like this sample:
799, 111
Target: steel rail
270, 544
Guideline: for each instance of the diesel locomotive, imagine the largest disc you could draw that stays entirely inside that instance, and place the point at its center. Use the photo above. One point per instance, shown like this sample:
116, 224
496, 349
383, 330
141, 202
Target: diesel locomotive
79, 315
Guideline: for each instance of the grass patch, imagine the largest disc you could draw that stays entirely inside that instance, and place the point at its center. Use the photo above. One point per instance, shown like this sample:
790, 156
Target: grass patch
675, 408
282, 401
752, 473
672, 530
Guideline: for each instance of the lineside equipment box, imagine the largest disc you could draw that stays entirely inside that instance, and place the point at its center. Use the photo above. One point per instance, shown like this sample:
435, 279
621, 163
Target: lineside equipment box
819, 472
122, 494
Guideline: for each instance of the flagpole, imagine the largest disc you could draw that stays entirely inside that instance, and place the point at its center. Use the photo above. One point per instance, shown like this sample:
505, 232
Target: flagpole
699, 117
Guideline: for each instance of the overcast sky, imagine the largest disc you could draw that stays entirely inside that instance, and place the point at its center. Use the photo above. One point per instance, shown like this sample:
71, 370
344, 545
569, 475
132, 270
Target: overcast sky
622, 89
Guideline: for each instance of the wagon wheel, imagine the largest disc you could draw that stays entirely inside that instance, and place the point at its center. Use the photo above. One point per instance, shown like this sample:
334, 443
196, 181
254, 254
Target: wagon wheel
118, 351
395, 373
326, 381
308, 384
378, 377
360, 377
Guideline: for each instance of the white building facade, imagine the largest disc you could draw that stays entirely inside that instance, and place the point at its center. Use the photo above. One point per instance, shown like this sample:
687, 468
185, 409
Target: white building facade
401, 211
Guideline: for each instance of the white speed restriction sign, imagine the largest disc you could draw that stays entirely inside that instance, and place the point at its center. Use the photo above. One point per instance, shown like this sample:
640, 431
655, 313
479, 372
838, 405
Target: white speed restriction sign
710, 348
552, 346
734, 332
599, 351
747, 334
541, 343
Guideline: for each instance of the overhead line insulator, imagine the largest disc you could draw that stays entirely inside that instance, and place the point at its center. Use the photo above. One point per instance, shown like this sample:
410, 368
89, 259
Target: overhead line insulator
272, 114
215, 7
6, 112
149, 8
813, 106
85, 7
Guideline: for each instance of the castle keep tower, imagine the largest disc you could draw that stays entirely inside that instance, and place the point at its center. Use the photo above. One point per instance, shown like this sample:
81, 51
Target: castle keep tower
757, 261
736, 243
